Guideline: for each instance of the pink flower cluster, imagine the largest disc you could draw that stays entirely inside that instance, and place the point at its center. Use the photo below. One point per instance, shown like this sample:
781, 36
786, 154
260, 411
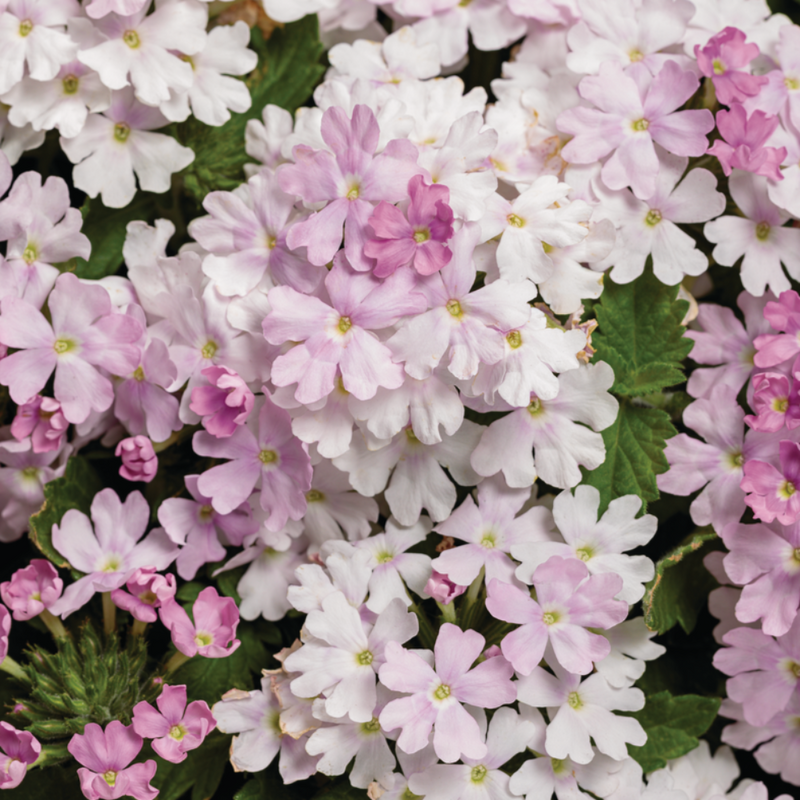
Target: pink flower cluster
750, 461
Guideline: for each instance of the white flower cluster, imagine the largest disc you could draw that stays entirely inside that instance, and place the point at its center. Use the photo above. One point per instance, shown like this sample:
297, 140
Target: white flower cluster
107, 75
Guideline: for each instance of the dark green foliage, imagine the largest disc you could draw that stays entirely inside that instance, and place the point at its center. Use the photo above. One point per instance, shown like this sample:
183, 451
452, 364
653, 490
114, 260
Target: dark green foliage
287, 72
673, 725
75, 489
680, 586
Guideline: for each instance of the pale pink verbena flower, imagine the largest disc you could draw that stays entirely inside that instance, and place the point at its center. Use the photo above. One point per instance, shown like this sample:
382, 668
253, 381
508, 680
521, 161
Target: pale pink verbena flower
784, 316
598, 543
340, 333
43, 420
201, 531
224, 404
772, 492
629, 117
110, 551
350, 179
265, 454
436, 695
569, 600
490, 529
21, 749
84, 334
342, 655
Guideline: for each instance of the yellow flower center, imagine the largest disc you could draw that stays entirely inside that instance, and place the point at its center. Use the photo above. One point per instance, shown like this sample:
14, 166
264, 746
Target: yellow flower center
422, 235
365, 659
719, 67
653, 217
30, 254
203, 639
478, 774
550, 617
110, 777
442, 692
535, 407
516, 221
640, 125
62, 346
209, 349
780, 404
138, 374
635, 55
267, 456
345, 323
25, 27
762, 231
373, 726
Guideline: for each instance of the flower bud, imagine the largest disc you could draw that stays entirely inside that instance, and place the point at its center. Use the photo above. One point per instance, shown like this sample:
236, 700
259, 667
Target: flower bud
139, 460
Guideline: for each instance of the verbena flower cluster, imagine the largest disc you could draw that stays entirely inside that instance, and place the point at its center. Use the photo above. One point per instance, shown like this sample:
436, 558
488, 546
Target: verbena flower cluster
106, 75
377, 347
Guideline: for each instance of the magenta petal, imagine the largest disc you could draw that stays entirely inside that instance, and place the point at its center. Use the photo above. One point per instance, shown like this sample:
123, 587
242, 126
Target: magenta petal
172, 703
148, 722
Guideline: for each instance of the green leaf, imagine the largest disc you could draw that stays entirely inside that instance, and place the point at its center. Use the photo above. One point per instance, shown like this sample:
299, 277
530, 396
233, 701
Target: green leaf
76, 489
681, 585
201, 771
634, 454
672, 725
106, 229
287, 72
640, 334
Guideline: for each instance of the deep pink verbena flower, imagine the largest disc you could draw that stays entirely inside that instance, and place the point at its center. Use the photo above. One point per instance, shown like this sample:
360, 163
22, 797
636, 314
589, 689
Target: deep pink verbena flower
105, 755
174, 728
418, 240
743, 146
224, 404
147, 590
436, 695
630, 115
32, 589
20, 749
723, 58
784, 316
42, 419
139, 460
776, 401
213, 632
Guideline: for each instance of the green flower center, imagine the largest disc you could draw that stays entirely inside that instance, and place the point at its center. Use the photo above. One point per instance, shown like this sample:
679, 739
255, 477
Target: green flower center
635, 55
25, 27
454, 308
411, 436
177, 732
574, 700
780, 404
122, 131
514, 339
792, 84
442, 692
489, 540
30, 472
478, 774
794, 668
131, 38
373, 726
267, 456
535, 407
345, 323
30, 254
209, 349
384, 557
62, 346
409, 795
762, 231
786, 490
640, 125
148, 597
138, 374
719, 67
365, 659
558, 764
203, 639
70, 84
653, 217
110, 777
584, 553
354, 192
314, 496
422, 235
550, 617
516, 221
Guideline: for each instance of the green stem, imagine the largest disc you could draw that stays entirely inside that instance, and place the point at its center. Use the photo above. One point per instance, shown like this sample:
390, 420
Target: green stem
427, 636
468, 609
54, 625
139, 627
109, 614
9, 666
177, 660
448, 611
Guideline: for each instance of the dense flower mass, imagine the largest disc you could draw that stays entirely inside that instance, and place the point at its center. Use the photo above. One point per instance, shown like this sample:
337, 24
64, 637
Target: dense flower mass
360, 426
